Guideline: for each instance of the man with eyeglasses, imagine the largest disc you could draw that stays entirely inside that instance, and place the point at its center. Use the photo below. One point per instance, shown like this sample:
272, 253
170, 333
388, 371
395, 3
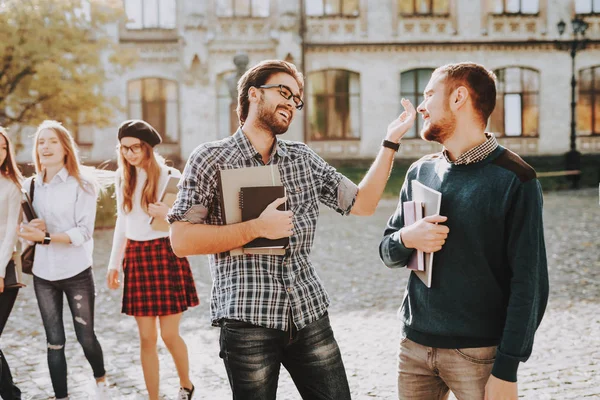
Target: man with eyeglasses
272, 310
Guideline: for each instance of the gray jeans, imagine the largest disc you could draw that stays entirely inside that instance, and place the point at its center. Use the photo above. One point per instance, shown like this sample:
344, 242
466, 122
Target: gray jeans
429, 373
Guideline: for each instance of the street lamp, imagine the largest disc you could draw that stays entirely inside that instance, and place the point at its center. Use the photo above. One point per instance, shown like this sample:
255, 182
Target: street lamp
576, 43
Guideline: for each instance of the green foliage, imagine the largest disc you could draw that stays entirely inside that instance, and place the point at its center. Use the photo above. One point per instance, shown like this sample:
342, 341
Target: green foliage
106, 210
53, 58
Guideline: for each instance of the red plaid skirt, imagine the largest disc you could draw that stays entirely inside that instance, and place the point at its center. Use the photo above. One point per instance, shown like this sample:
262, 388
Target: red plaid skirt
156, 281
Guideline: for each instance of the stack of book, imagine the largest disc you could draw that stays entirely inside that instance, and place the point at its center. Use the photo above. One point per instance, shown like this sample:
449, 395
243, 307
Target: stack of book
244, 195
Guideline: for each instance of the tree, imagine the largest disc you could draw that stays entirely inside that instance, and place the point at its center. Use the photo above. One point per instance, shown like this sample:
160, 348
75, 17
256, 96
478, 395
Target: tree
55, 56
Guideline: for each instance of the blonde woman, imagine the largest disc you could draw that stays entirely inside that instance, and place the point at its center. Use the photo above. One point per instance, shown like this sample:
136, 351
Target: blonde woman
65, 202
158, 286
10, 199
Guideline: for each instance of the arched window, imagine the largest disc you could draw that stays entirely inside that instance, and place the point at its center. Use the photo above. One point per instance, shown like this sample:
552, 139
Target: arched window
333, 105
517, 111
156, 101
151, 14
412, 86
588, 102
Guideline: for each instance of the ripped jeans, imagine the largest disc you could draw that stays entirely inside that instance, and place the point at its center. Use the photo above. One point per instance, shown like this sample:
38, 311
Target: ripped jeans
80, 292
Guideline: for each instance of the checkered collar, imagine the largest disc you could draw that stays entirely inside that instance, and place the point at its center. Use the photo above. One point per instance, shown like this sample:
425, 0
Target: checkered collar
477, 153
248, 151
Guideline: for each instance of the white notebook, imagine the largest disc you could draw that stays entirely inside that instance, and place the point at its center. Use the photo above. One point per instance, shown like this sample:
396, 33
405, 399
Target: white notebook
432, 201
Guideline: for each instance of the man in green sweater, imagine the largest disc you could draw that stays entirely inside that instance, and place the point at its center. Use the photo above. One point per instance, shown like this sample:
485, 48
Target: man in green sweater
471, 329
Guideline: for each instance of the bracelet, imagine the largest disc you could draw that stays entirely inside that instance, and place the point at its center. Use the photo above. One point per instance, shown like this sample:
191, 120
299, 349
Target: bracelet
390, 145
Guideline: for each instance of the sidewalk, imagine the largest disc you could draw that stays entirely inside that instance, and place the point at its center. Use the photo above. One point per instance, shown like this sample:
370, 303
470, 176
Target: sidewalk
365, 296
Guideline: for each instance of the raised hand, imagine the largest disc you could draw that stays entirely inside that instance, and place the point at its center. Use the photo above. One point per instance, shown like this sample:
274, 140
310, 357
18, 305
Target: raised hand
398, 127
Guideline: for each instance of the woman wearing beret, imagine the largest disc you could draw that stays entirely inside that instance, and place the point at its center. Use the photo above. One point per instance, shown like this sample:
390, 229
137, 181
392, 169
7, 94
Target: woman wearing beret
157, 284
10, 198
65, 202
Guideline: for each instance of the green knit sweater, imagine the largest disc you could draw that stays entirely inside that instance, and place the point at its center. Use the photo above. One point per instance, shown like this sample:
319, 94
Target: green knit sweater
490, 279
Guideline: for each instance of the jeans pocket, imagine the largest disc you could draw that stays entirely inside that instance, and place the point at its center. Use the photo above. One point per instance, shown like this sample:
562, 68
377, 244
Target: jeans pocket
478, 355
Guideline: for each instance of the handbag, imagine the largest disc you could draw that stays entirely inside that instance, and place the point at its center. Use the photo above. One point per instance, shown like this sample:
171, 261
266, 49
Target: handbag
12, 277
28, 255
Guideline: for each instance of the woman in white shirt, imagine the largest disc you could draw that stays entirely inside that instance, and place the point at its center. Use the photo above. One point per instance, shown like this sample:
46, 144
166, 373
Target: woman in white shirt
65, 203
157, 283
10, 198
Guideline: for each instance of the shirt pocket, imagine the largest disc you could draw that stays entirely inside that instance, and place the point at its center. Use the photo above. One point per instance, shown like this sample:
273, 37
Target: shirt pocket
61, 206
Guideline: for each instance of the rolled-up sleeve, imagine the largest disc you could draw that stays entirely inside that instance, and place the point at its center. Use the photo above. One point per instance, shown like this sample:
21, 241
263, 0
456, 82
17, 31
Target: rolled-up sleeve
335, 190
85, 215
196, 188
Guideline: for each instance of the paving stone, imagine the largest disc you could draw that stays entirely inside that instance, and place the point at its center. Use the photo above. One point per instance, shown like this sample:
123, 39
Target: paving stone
565, 363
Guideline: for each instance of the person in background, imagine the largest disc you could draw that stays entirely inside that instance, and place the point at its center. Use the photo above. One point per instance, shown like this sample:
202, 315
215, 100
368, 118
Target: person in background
10, 210
65, 203
158, 286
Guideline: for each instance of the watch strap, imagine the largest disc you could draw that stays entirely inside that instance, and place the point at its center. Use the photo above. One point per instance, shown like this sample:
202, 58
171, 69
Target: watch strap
390, 145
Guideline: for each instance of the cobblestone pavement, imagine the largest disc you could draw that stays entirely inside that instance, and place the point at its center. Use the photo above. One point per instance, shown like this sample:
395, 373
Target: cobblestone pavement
365, 296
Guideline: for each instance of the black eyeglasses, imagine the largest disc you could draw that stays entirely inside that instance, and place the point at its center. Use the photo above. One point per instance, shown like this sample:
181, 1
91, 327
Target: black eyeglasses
135, 149
287, 94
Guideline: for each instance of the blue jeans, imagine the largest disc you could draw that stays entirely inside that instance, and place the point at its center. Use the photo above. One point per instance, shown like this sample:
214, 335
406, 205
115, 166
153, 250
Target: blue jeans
8, 389
80, 292
253, 356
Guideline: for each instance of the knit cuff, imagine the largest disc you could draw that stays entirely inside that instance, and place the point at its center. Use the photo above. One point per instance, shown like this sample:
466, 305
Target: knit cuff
505, 367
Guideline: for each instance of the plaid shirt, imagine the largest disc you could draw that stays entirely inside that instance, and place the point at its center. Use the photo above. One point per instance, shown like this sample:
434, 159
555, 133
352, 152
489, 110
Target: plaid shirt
477, 153
262, 289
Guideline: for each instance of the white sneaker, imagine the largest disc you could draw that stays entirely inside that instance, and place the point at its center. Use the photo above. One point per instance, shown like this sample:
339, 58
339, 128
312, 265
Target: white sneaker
102, 392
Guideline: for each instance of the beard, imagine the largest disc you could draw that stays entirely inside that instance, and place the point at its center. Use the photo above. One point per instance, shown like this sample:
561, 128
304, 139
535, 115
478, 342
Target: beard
440, 131
269, 120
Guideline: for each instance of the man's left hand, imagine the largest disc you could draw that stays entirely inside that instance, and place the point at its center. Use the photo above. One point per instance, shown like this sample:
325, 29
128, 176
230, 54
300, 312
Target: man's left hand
398, 128
497, 389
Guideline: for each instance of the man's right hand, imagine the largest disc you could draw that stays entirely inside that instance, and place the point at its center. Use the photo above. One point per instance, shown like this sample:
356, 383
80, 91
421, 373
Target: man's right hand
426, 234
275, 224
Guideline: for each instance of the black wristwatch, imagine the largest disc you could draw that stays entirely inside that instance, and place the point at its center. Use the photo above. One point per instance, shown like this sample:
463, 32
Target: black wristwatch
46, 238
390, 145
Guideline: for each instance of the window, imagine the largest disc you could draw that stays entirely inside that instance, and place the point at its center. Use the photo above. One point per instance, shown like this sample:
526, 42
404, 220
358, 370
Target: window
516, 6
151, 14
156, 101
334, 105
588, 103
517, 103
587, 6
243, 8
332, 8
424, 7
412, 86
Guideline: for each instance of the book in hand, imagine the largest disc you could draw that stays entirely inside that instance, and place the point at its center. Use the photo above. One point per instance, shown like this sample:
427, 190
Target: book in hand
432, 201
253, 201
167, 196
13, 277
413, 211
230, 181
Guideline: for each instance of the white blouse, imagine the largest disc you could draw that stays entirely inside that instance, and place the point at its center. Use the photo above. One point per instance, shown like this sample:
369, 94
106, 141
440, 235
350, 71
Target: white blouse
67, 208
135, 225
10, 210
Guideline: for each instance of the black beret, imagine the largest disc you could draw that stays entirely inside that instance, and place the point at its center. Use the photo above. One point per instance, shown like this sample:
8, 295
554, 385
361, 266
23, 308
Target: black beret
140, 129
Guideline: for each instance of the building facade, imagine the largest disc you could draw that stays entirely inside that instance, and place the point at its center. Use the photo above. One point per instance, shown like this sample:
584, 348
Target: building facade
360, 58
